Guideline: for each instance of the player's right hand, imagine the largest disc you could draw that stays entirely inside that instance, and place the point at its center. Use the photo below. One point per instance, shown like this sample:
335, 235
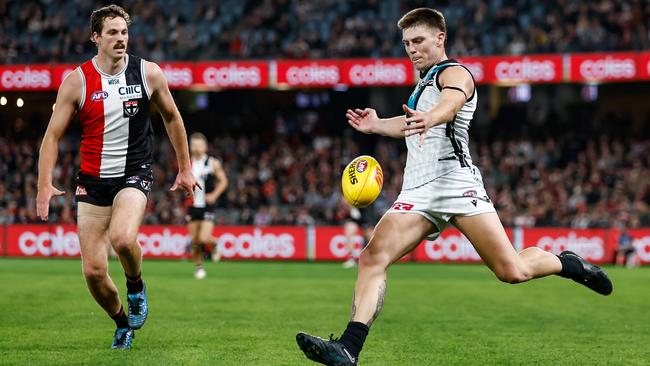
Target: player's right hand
363, 120
43, 200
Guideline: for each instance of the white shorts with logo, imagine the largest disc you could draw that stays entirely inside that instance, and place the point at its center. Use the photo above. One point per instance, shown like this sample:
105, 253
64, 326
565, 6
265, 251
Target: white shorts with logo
460, 192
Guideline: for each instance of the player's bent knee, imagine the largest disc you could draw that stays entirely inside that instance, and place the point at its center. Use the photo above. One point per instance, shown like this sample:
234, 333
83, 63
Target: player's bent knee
511, 274
95, 273
369, 259
123, 242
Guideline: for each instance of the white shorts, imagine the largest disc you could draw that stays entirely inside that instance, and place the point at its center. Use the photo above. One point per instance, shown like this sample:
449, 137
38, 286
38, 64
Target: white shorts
460, 192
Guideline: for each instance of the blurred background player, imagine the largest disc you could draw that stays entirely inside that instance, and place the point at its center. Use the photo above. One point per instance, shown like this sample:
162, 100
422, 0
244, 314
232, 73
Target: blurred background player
209, 173
352, 221
111, 95
441, 186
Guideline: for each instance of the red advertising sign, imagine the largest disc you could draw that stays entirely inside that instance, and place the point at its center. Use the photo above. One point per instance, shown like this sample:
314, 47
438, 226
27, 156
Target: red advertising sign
26, 77
375, 72
524, 69
594, 245
476, 66
179, 75
236, 74
604, 67
303, 73
59, 72
236, 242
644, 65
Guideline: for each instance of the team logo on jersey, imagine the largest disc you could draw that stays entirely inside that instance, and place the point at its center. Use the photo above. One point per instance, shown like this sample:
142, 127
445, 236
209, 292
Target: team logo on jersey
471, 193
81, 191
99, 95
401, 206
362, 165
130, 108
130, 92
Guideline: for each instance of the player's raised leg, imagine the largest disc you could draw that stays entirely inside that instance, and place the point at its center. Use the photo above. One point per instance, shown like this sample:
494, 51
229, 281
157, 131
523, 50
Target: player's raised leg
92, 226
395, 235
128, 210
486, 233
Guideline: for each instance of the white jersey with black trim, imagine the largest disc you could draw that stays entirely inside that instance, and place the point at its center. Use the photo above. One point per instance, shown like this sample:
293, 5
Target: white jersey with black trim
446, 146
203, 170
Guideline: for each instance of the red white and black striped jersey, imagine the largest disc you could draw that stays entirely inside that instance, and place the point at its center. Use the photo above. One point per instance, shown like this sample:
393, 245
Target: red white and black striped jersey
117, 136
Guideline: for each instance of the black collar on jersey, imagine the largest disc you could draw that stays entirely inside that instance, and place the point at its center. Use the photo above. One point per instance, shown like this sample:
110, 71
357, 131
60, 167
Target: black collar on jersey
423, 73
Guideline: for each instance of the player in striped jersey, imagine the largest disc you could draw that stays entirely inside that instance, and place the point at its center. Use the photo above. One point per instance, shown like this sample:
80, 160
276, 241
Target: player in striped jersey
441, 186
209, 173
111, 95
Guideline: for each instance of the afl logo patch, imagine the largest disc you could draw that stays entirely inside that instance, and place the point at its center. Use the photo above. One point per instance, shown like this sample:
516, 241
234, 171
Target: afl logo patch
362, 165
99, 95
130, 108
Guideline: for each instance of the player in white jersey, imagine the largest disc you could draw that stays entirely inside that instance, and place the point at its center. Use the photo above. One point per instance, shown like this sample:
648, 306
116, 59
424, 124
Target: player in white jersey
209, 173
111, 94
441, 186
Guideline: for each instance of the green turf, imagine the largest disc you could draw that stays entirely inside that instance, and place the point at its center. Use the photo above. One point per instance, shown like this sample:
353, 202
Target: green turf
249, 313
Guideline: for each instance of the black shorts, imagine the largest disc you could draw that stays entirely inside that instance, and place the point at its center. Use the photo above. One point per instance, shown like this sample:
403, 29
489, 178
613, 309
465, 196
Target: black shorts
200, 214
102, 191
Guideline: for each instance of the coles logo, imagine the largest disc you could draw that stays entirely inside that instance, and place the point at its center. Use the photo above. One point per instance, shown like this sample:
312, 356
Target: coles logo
178, 76
454, 247
525, 69
608, 68
377, 73
57, 243
312, 74
642, 246
590, 248
362, 165
232, 75
26, 78
99, 95
256, 245
339, 248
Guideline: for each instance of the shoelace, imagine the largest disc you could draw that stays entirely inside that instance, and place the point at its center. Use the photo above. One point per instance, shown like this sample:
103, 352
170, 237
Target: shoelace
134, 308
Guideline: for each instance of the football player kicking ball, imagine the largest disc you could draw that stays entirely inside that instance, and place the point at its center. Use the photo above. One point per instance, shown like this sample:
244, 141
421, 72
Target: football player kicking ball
441, 186
111, 95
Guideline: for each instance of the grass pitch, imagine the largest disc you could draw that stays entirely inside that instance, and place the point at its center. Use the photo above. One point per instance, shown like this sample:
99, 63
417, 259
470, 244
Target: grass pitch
249, 313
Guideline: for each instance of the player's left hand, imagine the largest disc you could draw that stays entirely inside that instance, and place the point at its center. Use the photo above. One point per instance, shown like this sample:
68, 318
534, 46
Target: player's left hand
185, 181
211, 198
416, 123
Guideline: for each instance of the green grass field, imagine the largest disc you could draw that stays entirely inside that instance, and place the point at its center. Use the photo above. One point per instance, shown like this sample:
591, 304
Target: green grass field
249, 313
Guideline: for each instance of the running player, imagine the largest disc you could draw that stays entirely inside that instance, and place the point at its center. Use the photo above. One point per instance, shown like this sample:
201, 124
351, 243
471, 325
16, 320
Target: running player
209, 173
111, 94
441, 186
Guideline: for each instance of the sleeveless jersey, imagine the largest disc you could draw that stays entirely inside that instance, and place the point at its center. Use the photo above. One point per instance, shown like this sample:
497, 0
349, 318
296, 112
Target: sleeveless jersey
445, 146
204, 174
117, 137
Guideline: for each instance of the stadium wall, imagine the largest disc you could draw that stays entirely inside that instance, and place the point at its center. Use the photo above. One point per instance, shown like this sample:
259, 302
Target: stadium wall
283, 74
315, 243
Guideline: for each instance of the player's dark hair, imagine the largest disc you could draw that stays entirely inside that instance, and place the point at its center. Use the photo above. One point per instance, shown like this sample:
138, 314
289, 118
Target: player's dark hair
423, 16
111, 11
199, 136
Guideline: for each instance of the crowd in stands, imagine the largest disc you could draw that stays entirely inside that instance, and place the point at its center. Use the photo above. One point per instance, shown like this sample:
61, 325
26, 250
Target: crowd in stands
551, 182
167, 30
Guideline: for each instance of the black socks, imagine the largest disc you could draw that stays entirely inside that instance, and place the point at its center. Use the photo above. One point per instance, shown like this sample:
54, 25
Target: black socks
134, 284
120, 319
353, 337
571, 267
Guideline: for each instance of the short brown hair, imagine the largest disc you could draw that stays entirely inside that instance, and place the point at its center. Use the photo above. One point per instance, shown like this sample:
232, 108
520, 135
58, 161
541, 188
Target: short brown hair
198, 136
111, 11
423, 16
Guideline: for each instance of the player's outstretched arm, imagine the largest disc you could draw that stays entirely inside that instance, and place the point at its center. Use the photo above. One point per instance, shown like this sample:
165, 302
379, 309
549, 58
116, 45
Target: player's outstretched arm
163, 100
457, 87
67, 101
366, 121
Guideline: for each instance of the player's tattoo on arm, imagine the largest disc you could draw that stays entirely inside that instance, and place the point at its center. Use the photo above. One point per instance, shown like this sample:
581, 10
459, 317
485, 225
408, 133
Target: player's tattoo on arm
380, 302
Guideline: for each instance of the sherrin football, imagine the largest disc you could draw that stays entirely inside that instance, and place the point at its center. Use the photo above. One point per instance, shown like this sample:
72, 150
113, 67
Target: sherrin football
361, 181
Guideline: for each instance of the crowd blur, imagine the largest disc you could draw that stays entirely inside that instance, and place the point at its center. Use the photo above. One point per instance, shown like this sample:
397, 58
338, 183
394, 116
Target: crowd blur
59, 30
551, 182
